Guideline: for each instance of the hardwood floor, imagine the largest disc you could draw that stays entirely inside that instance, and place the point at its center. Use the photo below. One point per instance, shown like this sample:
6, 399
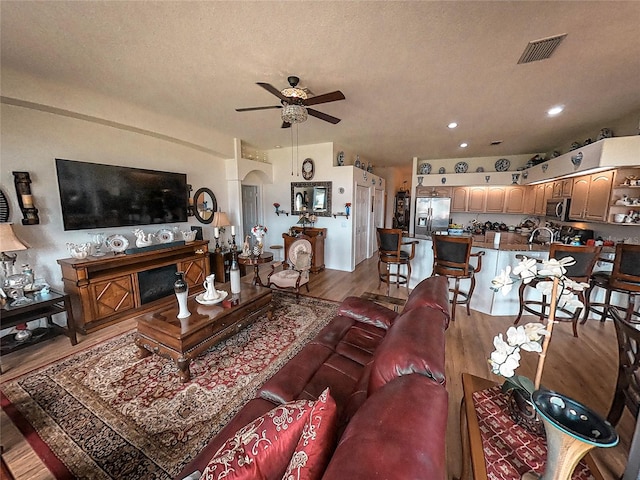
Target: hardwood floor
584, 368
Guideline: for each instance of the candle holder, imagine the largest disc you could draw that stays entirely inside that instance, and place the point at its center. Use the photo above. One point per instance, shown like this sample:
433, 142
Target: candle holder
234, 247
22, 181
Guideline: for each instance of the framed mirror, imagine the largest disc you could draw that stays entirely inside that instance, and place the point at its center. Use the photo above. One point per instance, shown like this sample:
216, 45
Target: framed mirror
311, 197
204, 205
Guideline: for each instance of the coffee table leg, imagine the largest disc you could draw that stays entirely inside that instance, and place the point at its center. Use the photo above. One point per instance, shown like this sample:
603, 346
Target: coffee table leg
183, 367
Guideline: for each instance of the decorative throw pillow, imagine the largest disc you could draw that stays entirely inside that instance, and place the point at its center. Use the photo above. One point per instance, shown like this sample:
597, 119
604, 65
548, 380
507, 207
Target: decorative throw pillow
263, 448
316, 444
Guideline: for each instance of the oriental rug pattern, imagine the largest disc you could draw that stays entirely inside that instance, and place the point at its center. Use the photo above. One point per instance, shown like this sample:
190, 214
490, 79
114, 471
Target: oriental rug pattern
103, 413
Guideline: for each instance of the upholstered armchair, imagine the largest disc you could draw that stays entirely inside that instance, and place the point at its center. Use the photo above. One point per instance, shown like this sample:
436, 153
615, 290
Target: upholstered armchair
294, 272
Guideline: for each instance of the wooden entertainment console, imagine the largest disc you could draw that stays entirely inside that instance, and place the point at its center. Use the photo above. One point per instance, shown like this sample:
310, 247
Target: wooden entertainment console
106, 290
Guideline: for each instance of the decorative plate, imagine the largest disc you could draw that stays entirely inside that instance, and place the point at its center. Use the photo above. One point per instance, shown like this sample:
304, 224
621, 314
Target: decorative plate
480, 169
221, 296
424, 169
307, 169
4, 208
340, 158
502, 165
164, 235
442, 170
117, 243
461, 167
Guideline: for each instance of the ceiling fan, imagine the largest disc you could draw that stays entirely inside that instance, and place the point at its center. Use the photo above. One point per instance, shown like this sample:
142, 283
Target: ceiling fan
295, 103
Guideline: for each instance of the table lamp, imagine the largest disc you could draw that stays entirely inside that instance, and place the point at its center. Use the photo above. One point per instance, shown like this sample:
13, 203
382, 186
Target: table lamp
220, 220
9, 243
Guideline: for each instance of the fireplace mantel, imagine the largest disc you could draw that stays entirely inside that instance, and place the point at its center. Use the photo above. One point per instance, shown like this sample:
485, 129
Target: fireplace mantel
106, 290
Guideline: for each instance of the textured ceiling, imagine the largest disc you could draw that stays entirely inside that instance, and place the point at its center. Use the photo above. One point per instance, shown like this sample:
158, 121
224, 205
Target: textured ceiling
406, 68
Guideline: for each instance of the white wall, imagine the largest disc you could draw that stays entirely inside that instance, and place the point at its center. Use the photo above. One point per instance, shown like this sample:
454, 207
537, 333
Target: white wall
32, 139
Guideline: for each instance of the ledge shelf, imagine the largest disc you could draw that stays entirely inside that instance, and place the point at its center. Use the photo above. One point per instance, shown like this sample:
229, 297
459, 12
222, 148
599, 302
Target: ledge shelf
341, 214
278, 212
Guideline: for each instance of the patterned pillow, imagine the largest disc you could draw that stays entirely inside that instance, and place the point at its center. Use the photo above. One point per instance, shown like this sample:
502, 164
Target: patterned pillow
316, 443
263, 448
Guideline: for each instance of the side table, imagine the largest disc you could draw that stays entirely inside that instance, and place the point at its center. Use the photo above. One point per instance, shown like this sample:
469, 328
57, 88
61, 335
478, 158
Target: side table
265, 257
475, 437
44, 305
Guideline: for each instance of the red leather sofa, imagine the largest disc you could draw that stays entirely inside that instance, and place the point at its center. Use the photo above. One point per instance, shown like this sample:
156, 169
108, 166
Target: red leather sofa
386, 373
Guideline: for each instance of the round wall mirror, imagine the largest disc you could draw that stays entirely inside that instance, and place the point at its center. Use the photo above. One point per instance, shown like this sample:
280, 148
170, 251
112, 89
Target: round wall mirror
205, 205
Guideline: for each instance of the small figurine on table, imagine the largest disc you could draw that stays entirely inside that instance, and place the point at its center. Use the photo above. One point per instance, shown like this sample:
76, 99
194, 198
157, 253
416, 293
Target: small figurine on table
246, 248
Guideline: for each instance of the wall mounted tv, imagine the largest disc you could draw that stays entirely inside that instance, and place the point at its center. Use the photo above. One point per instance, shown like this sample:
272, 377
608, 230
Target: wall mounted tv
93, 195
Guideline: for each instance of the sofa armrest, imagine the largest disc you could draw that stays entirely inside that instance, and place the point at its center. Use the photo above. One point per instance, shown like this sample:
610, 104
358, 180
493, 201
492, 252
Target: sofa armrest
399, 432
366, 311
431, 292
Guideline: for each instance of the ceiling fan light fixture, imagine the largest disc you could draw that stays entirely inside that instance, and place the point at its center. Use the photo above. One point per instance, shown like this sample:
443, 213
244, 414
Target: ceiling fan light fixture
294, 113
294, 93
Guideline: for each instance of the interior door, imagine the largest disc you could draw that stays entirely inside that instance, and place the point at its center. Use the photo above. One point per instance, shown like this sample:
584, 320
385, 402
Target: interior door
361, 219
250, 204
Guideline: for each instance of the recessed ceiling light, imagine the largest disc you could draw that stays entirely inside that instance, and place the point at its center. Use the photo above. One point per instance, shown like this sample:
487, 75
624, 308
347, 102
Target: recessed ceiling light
464, 145
555, 110
452, 125
278, 146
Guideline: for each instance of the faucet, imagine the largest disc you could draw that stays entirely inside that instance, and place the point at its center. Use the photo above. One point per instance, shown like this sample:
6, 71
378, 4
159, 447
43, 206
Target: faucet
535, 230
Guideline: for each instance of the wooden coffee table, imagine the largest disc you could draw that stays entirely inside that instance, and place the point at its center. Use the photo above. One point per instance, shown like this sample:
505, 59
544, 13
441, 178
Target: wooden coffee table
181, 340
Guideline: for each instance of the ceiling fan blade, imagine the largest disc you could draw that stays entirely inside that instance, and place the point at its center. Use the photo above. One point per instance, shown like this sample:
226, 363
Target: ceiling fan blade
325, 98
323, 116
271, 89
249, 109
285, 125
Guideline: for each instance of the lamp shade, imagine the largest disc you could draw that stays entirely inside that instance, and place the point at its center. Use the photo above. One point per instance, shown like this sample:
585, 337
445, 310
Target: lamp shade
8, 240
220, 219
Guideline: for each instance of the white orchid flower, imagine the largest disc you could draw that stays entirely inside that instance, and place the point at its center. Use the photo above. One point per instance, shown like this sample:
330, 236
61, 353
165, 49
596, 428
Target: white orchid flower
555, 268
574, 286
526, 269
535, 331
519, 337
507, 369
544, 287
569, 299
503, 282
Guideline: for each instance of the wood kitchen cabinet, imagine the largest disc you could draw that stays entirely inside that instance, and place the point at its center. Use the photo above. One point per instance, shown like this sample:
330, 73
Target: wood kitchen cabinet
110, 289
540, 199
515, 198
494, 202
562, 188
476, 199
591, 196
459, 199
317, 236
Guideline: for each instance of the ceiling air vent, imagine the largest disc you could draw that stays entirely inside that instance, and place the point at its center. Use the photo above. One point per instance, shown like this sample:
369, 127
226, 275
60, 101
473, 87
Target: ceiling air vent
540, 49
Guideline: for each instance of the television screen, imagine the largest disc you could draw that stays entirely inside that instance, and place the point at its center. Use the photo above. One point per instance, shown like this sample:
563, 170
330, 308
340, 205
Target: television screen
93, 195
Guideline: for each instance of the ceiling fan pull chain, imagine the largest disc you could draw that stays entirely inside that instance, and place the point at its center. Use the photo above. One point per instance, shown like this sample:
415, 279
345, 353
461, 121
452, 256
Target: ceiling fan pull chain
291, 152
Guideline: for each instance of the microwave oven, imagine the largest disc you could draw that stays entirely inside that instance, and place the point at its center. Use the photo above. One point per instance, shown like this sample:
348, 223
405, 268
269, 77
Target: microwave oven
558, 209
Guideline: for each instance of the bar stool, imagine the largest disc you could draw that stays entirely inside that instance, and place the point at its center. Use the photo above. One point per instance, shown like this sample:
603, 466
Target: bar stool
624, 278
585, 259
390, 253
451, 255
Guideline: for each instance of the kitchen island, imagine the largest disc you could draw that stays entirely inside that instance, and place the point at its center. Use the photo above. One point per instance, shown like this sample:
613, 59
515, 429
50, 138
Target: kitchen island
496, 258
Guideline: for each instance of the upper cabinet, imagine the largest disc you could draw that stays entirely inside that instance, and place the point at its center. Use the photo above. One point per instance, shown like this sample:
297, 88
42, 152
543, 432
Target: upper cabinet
591, 196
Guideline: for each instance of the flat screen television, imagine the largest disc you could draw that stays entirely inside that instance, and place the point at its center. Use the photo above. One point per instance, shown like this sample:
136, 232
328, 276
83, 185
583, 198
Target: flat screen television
93, 195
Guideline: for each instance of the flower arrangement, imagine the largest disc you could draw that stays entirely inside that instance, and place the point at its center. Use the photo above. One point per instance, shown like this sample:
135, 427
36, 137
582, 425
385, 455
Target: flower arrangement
533, 337
259, 231
276, 204
347, 205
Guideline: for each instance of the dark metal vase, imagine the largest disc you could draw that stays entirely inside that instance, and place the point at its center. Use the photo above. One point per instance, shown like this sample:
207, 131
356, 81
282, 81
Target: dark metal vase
523, 412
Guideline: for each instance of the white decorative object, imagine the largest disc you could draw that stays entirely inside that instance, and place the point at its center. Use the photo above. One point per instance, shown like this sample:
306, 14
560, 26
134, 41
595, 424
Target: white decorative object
142, 239
116, 243
189, 235
164, 235
79, 251
210, 292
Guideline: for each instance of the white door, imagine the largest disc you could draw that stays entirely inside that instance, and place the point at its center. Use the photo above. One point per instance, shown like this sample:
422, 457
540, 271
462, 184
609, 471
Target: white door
361, 219
378, 217
250, 204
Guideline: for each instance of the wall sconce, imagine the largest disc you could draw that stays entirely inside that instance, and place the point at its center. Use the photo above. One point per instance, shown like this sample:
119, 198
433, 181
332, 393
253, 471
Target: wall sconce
22, 182
278, 211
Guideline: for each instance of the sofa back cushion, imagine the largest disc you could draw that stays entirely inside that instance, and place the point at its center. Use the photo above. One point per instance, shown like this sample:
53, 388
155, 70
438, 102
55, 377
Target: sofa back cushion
415, 344
431, 292
398, 433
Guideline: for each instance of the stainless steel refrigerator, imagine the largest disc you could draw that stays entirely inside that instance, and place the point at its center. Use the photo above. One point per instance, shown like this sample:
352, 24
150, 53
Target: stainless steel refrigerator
432, 215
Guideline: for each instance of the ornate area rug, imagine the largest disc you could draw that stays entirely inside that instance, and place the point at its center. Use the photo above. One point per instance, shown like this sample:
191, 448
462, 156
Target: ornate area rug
103, 413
